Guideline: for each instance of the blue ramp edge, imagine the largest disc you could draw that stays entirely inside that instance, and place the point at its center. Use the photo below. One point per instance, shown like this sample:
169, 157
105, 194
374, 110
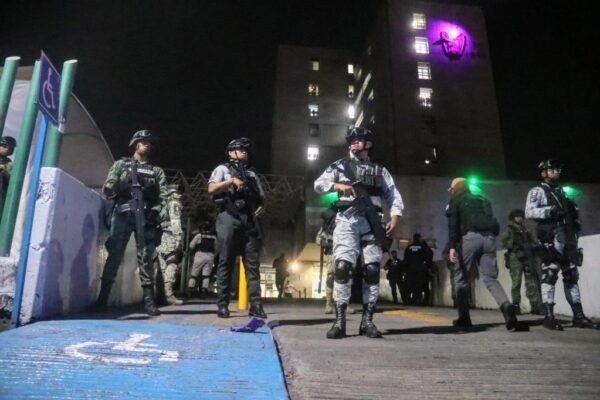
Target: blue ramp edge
106, 359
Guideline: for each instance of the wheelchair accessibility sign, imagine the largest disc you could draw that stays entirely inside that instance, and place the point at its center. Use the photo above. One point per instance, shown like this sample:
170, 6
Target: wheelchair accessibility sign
49, 89
130, 351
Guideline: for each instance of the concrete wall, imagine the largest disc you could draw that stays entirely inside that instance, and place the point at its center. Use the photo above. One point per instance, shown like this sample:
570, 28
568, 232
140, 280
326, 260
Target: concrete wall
64, 264
589, 282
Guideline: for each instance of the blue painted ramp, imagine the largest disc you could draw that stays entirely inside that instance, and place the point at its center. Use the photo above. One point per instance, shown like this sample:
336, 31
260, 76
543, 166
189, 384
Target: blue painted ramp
107, 359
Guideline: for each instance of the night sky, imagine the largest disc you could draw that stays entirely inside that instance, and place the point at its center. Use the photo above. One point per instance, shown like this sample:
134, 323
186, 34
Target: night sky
202, 72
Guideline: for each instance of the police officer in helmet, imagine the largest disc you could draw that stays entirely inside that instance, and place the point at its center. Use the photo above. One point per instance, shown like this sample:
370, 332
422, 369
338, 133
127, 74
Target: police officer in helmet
239, 195
558, 228
472, 229
119, 188
353, 235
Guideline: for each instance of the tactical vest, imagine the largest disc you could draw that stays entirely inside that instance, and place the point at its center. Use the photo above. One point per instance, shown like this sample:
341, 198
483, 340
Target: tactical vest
236, 201
555, 196
476, 215
369, 174
207, 243
147, 179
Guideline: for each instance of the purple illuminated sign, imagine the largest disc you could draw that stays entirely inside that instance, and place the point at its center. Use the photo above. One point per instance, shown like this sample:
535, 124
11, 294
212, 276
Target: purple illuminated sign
452, 38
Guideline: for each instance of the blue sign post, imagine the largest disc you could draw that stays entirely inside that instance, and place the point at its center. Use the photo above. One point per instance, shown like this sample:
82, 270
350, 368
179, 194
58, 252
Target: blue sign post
49, 92
48, 102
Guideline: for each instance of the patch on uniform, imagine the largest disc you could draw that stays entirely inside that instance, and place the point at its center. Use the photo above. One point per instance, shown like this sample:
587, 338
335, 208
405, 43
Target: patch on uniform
534, 196
330, 169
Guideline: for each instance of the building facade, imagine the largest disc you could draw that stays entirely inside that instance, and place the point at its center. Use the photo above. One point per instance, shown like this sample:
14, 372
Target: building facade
423, 84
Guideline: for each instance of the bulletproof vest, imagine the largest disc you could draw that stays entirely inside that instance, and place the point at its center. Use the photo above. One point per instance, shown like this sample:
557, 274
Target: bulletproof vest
370, 175
476, 214
236, 201
207, 243
520, 236
146, 177
555, 196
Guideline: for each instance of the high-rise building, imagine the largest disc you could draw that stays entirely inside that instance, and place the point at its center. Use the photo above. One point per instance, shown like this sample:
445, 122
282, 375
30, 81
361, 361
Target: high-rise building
314, 100
423, 84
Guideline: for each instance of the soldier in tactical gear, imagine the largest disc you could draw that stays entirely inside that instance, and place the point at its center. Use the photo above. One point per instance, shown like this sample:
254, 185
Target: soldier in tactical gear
240, 196
393, 266
471, 239
355, 231
325, 240
558, 231
170, 250
203, 247
521, 260
7, 147
126, 178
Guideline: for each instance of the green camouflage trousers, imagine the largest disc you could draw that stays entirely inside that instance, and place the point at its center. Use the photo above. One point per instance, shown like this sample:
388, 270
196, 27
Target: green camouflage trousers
121, 228
531, 284
169, 244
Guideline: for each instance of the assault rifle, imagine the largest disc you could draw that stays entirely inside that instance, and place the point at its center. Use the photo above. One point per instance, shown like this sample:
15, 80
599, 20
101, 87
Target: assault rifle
568, 218
137, 207
250, 193
363, 204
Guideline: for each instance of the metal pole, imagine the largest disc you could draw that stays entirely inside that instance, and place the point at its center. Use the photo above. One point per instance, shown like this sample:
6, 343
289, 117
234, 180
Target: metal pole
11, 64
67, 78
33, 187
186, 258
17, 176
243, 290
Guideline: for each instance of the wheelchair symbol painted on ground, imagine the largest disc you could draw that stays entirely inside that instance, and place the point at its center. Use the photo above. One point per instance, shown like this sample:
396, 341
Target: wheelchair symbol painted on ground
131, 351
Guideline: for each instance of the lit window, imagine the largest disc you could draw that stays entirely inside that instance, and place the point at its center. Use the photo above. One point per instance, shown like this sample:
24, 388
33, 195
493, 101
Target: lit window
315, 65
358, 74
371, 95
425, 96
313, 130
350, 68
351, 112
424, 70
419, 21
313, 110
313, 89
312, 153
350, 91
421, 45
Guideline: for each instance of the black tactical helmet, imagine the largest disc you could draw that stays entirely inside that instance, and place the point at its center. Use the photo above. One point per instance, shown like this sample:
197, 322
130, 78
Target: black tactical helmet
360, 133
240, 144
516, 213
549, 164
175, 187
8, 141
144, 134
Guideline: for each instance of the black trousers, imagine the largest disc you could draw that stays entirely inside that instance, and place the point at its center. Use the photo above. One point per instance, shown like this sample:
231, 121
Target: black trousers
237, 236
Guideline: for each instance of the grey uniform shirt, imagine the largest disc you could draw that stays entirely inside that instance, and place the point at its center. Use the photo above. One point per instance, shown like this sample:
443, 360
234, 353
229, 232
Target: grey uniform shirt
335, 174
537, 206
222, 173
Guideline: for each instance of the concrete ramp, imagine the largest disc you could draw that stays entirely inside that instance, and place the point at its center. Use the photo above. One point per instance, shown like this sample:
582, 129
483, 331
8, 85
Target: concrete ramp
106, 359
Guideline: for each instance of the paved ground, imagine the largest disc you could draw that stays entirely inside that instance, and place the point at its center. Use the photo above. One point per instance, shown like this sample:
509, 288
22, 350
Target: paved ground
421, 356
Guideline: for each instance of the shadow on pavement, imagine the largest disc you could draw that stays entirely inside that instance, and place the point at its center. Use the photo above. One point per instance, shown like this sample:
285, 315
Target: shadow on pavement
441, 330
299, 322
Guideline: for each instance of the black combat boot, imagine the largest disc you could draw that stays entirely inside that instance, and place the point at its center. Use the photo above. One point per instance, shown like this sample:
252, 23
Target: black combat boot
579, 318
256, 310
510, 315
536, 309
517, 308
464, 318
367, 327
223, 311
549, 321
338, 330
149, 305
101, 305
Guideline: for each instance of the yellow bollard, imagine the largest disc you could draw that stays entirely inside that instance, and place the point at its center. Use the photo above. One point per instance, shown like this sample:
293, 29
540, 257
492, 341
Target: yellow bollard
243, 290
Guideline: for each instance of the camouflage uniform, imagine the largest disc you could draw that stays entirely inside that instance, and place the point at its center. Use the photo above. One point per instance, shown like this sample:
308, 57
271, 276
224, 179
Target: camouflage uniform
123, 223
5, 169
169, 250
325, 240
515, 238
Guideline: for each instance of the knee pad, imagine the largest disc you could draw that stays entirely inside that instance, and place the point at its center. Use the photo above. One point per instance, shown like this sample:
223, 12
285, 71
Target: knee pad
329, 281
342, 272
571, 276
371, 273
549, 276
